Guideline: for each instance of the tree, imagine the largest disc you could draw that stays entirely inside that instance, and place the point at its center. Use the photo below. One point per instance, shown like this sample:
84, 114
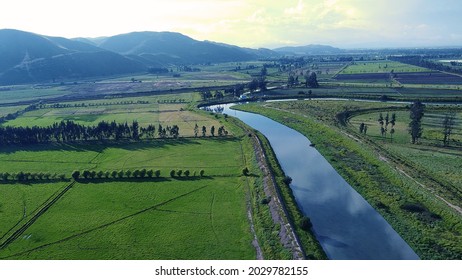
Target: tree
245, 171
150, 173
186, 173
114, 174
212, 130
135, 130
157, 173
136, 173
204, 131
179, 172
76, 174
86, 174
361, 128
100, 174
415, 126
128, 173
143, 172
196, 130
311, 80
448, 125
202, 172
172, 173
253, 85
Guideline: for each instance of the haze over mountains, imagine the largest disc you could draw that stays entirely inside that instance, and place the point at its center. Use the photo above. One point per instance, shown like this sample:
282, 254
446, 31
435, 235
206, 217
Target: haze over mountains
28, 58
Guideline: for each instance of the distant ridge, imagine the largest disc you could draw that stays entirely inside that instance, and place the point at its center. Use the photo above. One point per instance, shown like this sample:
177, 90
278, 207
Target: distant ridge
309, 50
174, 48
29, 58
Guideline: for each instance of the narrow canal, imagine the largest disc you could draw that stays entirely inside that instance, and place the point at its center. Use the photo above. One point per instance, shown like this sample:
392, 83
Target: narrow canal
347, 227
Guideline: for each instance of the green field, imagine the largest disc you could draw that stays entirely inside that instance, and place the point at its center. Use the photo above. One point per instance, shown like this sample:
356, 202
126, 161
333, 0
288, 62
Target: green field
380, 66
203, 219
100, 220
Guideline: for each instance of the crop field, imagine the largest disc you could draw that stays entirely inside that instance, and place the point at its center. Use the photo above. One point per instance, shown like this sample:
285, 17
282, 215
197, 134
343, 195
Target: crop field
130, 218
435, 78
166, 114
24, 93
380, 66
203, 219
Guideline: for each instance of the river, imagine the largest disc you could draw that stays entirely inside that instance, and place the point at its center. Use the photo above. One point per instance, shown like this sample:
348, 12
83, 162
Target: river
345, 224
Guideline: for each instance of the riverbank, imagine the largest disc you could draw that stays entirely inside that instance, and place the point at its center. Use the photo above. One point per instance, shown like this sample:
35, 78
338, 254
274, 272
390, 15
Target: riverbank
433, 233
275, 217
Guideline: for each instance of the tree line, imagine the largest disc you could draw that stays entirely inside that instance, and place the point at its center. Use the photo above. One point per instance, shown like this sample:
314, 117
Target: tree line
69, 131
22, 176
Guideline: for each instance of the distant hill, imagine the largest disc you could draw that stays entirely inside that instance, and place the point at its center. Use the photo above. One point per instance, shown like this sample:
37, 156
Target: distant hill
309, 50
28, 58
174, 48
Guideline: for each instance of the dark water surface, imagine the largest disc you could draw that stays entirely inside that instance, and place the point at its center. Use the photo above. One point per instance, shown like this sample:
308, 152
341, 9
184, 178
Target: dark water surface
347, 227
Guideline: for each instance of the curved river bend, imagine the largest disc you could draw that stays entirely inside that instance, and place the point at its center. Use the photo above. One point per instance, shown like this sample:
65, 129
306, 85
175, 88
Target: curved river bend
347, 227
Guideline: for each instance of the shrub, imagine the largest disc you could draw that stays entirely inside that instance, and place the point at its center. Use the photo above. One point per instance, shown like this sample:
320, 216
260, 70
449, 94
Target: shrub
305, 223
287, 180
75, 174
128, 173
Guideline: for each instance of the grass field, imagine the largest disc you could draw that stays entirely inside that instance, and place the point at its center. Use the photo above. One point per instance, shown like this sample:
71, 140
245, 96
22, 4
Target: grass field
203, 219
132, 219
380, 66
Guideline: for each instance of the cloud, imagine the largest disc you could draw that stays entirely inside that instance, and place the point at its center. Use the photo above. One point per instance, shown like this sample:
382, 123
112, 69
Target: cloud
252, 23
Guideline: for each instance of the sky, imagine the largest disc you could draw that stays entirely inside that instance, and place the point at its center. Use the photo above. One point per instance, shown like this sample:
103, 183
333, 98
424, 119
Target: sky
249, 23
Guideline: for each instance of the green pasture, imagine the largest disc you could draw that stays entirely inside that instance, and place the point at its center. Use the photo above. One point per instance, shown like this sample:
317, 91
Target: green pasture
380, 66
165, 218
170, 219
440, 162
218, 157
24, 93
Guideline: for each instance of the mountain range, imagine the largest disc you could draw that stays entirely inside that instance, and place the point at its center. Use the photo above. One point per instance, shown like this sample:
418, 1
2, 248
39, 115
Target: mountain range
30, 58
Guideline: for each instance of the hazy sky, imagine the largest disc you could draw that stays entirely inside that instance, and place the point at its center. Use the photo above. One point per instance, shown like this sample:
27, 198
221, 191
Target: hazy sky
249, 23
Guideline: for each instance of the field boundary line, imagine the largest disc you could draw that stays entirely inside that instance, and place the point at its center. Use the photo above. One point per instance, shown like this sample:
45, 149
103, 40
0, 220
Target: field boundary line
34, 218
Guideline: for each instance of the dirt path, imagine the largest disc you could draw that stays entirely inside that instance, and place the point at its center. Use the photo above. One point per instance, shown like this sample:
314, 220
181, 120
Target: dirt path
278, 210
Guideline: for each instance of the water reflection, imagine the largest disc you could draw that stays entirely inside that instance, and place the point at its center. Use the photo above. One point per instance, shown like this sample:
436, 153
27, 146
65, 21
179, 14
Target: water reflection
344, 223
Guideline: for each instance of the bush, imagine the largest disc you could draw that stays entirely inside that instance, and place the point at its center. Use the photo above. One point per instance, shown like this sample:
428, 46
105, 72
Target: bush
76, 174
305, 223
287, 180
265, 200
